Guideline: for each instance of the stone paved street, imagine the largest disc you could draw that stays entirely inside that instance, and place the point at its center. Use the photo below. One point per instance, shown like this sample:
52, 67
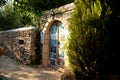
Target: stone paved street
13, 70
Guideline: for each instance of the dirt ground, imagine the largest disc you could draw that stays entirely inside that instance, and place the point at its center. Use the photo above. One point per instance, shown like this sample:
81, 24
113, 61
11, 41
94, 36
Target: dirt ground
12, 70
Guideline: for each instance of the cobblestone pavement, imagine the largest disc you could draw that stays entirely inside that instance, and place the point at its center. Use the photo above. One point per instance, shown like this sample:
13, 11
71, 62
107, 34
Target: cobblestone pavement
13, 70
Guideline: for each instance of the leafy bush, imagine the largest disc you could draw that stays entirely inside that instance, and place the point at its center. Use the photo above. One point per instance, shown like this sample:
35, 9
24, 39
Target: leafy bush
8, 18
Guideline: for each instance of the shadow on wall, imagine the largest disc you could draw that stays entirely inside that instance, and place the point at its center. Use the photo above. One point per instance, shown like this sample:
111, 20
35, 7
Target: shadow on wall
38, 49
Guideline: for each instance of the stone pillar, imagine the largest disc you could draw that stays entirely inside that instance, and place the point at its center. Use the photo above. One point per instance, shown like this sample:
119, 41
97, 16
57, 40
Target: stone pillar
45, 53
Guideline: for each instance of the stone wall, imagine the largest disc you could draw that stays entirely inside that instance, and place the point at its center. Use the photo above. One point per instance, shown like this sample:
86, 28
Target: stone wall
19, 44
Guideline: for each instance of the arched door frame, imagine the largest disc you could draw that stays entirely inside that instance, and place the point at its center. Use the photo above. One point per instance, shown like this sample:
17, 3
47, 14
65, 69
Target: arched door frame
45, 47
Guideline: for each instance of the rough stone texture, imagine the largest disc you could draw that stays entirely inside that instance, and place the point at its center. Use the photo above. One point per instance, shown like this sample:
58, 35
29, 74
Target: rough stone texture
1, 51
61, 14
19, 43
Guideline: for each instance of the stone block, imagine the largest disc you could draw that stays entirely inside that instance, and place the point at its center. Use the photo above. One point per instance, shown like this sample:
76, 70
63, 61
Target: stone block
45, 56
45, 48
45, 62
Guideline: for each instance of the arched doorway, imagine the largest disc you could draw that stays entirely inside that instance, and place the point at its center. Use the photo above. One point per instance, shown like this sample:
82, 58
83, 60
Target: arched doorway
53, 38
56, 42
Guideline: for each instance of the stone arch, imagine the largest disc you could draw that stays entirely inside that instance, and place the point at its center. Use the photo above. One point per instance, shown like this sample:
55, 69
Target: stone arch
45, 51
63, 17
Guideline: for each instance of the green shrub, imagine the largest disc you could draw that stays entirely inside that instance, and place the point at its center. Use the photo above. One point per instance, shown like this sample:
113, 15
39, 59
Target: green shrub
88, 39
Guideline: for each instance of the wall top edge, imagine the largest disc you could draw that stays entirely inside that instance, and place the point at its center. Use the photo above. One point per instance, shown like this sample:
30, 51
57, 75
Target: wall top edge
20, 29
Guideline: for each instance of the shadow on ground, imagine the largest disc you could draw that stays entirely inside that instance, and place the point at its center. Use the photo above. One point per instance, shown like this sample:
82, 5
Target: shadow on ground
12, 70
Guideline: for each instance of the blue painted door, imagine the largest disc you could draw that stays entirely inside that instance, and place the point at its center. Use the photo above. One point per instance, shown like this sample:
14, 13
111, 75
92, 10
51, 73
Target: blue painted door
57, 38
53, 45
